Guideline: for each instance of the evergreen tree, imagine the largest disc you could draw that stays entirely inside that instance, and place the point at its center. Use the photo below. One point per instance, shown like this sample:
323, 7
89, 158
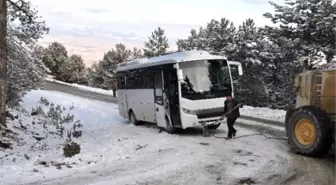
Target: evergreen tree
73, 70
55, 56
280, 66
312, 21
217, 38
246, 50
95, 76
269, 62
136, 53
102, 74
191, 43
25, 70
157, 44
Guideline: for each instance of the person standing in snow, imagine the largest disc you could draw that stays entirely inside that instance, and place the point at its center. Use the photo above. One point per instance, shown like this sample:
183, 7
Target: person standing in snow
114, 87
231, 112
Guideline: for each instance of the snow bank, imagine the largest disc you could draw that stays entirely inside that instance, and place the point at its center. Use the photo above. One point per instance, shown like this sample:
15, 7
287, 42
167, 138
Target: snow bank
264, 113
82, 87
38, 151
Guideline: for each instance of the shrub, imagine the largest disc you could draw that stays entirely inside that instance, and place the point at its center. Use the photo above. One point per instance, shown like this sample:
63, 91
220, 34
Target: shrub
71, 149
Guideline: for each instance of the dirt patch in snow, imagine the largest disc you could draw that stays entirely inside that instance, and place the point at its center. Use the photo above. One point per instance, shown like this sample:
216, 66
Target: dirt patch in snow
246, 181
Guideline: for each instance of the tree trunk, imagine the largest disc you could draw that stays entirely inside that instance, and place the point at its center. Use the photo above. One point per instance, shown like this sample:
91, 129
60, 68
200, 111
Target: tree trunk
3, 60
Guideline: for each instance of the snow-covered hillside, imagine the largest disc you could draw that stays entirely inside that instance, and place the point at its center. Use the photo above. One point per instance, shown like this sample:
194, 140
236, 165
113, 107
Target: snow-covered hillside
115, 152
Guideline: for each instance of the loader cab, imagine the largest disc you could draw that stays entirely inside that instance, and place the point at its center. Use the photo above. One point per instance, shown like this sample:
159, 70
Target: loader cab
302, 86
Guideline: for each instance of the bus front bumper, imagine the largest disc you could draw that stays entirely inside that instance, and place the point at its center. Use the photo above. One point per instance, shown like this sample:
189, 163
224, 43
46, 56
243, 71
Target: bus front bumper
189, 121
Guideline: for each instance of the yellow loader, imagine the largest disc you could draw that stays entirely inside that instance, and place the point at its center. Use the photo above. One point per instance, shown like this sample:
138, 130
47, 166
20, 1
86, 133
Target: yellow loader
310, 124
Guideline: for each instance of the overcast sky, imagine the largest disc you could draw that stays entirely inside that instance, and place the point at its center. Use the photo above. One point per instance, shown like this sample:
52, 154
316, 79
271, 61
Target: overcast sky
91, 28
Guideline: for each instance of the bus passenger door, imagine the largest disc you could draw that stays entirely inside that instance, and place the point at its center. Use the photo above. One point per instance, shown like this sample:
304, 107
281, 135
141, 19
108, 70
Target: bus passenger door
158, 98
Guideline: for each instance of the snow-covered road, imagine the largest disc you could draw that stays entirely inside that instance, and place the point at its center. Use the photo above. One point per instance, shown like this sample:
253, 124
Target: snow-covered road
115, 152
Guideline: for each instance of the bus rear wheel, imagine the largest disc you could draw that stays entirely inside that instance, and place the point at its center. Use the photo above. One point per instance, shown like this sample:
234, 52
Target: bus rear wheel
132, 118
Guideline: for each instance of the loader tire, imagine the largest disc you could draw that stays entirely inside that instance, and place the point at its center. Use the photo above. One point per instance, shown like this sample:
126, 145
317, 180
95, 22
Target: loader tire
309, 132
289, 114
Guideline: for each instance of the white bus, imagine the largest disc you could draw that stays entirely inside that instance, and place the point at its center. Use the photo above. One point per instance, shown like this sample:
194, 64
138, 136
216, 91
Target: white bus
179, 90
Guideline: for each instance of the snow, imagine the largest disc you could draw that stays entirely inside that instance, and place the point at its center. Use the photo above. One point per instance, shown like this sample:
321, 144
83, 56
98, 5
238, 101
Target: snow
82, 87
252, 123
264, 113
254, 61
251, 45
115, 152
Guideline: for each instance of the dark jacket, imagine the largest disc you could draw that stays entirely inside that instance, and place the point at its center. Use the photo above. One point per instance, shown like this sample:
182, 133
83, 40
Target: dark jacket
235, 113
114, 85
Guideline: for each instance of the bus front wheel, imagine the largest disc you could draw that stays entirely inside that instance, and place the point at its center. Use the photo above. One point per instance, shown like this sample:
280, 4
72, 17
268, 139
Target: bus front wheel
214, 127
169, 127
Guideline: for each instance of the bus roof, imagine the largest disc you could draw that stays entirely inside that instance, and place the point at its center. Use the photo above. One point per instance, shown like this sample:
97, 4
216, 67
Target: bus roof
177, 57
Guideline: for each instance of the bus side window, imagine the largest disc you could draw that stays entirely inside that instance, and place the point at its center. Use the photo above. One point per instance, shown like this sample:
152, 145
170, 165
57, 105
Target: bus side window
158, 88
121, 80
234, 72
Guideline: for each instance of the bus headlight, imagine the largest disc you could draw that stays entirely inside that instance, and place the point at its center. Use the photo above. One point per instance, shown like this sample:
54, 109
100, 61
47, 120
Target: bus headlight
188, 111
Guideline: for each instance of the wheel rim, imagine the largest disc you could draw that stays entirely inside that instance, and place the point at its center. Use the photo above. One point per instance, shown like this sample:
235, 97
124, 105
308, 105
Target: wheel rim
305, 132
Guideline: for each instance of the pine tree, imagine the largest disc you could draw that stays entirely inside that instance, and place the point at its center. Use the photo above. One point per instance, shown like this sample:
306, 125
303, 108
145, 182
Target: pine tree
191, 43
120, 54
311, 21
73, 70
246, 50
220, 36
217, 38
102, 74
280, 66
136, 53
55, 56
268, 59
24, 71
95, 76
157, 44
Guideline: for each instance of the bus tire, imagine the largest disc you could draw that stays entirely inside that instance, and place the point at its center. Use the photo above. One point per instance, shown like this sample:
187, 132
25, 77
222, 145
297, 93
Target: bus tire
132, 118
169, 127
214, 127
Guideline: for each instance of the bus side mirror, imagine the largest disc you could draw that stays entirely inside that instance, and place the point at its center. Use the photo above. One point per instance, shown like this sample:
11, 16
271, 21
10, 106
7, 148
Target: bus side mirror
180, 74
240, 70
237, 67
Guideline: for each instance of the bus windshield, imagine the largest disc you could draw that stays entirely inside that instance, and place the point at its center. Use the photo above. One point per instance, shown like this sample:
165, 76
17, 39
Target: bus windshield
205, 79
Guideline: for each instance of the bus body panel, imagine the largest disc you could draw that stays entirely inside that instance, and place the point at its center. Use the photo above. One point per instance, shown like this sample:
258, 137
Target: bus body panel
141, 102
192, 112
122, 103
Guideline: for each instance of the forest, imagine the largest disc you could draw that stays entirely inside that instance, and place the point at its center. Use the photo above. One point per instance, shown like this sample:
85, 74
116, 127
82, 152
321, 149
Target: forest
301, 38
